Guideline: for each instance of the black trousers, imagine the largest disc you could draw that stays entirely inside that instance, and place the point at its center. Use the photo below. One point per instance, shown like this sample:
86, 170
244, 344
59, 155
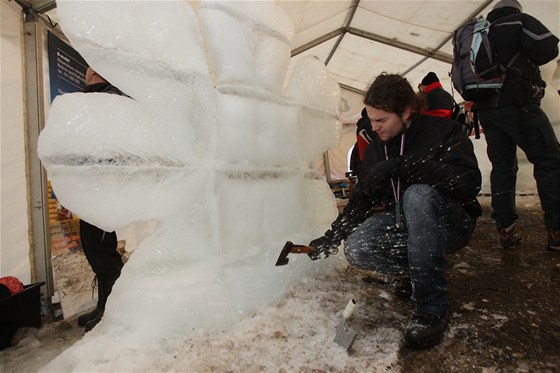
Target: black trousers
528, 127
100, 248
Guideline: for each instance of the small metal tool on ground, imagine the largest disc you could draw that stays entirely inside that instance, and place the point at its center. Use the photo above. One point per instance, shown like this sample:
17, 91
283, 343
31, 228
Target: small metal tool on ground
346, 336
290, 247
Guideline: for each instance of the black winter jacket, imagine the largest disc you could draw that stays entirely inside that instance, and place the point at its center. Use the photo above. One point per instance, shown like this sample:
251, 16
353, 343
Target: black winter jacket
513, 32
436, 152
439, 102
103, 88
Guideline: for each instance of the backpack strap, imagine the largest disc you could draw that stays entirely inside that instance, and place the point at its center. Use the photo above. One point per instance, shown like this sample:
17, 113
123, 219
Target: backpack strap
476, 124
491, 41
456, 110
510, 63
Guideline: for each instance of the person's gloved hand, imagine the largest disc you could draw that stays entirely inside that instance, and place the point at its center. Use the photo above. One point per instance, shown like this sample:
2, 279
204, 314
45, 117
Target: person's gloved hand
380, 172
324, 246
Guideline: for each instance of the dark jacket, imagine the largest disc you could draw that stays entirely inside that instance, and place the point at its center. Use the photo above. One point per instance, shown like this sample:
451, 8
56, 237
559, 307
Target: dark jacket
444, 158
512, 33
436, 152
364, 133
439, 102
103, 88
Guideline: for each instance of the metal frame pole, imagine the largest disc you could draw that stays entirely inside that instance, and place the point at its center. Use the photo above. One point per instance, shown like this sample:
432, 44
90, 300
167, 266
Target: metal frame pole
36, 174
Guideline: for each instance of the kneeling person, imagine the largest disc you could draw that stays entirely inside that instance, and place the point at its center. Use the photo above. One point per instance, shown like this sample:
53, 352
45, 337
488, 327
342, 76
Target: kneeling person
415, 202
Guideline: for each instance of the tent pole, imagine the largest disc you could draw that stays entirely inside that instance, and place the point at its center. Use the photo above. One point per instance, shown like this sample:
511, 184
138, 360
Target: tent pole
327, 166
38, 207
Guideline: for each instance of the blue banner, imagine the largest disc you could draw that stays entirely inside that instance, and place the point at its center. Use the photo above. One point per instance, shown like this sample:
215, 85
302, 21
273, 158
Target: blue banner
67, 69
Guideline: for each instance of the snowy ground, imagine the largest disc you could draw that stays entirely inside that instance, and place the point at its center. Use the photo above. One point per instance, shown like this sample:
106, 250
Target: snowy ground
296, 334
504, 309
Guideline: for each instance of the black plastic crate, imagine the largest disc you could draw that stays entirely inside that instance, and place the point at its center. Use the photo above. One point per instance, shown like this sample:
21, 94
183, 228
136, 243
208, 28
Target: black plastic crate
19, 310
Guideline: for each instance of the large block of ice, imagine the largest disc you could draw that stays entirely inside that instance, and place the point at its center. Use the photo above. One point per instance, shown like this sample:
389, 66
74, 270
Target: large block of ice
194, 298
169, 28
320, 206
249, 44
319, 130
310, 83
97, 125
223, 170
272, 200
255, 132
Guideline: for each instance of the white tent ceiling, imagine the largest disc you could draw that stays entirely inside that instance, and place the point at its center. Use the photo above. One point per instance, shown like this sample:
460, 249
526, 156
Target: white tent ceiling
358, 39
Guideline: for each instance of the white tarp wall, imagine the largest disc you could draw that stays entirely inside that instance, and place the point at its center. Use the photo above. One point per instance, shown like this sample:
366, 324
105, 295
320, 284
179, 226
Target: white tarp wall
15, 246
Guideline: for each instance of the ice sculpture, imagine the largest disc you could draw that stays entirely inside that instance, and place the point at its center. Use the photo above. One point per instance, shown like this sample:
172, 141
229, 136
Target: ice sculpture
214, 144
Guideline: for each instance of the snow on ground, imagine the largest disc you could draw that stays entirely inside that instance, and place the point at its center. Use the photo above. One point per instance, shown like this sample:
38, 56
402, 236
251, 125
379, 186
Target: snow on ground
504, 318
294, 335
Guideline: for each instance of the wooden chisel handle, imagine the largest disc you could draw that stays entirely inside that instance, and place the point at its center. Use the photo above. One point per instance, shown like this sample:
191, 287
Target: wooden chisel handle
302, 249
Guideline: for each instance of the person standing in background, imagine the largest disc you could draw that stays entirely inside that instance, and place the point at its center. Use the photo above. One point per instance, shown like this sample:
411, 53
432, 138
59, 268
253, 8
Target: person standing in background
438, 101
364, 134
514, 118
100, 247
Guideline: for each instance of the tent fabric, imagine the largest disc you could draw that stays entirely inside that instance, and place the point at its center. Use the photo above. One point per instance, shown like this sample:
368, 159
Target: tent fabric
360, 39
338, 157
15, 245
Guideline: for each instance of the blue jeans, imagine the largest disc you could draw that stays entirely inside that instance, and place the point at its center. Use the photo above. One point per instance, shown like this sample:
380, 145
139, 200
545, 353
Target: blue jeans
434, 226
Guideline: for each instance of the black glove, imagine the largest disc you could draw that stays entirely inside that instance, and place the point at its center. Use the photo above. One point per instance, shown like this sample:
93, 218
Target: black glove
359, 208
355, 213
373, 176
324, 246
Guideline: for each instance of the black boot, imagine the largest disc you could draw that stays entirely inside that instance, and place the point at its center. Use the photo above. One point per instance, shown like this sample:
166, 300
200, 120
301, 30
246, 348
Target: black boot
91, 323
425, 330
105, 287
86, 317
403, 289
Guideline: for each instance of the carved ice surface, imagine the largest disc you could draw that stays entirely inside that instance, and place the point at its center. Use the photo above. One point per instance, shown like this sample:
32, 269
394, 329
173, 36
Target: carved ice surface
215, 145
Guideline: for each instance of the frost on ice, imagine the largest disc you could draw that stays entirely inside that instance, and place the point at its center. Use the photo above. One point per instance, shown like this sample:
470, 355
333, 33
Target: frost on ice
215, 144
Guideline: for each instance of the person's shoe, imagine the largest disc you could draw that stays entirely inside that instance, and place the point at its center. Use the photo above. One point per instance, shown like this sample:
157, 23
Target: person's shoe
87, 317
424, 330
104, 288
91, 324
553, 239
83, 319
509, 237
403, 289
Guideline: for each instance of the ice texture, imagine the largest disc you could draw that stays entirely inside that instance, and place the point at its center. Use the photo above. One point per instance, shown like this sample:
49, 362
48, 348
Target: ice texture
214, 143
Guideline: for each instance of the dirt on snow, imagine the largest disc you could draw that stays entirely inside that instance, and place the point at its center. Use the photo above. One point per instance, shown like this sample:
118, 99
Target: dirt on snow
505, 305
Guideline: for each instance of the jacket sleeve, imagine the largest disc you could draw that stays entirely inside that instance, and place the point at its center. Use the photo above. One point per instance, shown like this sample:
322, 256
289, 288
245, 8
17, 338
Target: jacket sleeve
451, 168
539, 44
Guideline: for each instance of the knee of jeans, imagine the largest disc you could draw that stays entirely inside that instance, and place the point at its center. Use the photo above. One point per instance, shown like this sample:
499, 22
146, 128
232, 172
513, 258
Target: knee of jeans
353, 258
354, 253
419, 194
353, 239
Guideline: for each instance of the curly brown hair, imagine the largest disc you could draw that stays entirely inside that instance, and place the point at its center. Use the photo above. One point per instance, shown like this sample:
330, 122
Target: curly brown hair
392, 93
